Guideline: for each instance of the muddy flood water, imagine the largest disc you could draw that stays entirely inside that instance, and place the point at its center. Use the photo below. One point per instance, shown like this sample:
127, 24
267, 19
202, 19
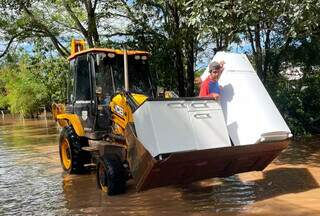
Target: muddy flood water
32, 183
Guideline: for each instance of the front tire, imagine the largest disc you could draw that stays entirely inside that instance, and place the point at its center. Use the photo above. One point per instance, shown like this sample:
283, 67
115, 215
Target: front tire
111, 175
72, 157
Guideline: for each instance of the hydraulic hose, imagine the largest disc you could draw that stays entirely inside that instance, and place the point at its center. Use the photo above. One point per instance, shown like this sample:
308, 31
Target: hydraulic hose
131, 101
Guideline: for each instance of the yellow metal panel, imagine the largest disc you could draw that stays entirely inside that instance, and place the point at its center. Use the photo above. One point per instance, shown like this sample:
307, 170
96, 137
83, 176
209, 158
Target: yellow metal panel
123, 117
73, 120
119, 125
121, 122
140, 98
58, 109
77, 46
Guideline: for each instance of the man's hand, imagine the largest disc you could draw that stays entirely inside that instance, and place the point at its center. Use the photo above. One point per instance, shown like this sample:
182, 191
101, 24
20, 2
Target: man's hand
215, 96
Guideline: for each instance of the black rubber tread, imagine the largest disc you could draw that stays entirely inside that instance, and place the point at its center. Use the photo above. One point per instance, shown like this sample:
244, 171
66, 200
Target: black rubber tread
79, 157
115, 172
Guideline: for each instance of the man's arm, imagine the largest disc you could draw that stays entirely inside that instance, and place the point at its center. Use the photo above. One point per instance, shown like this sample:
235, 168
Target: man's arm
221, 68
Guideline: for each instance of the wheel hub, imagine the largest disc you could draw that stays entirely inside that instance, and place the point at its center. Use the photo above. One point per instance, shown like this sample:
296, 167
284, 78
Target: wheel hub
65, 154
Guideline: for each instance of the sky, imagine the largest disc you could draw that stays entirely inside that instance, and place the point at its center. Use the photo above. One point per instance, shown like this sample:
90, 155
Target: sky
205, 57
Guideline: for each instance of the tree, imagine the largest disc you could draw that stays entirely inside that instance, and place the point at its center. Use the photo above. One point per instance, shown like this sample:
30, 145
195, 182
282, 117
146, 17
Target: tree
269, 27
24, 94
55, 20
30, 82
166, 21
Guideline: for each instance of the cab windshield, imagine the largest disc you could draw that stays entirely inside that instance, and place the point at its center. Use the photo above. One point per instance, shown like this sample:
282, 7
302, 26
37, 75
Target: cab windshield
110, 74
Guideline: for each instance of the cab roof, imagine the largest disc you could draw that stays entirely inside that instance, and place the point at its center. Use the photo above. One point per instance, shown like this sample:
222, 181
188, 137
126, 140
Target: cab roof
115, 51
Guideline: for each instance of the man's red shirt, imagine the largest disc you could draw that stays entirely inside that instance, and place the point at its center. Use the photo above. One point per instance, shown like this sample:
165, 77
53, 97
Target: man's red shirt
208, 87
204, 88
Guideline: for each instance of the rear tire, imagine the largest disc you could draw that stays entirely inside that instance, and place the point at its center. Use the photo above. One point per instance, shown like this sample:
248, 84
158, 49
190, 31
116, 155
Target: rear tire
111, 175
72, 157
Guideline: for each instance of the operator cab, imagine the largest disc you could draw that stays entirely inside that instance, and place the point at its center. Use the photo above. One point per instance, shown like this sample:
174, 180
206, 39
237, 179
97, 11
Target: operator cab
97, 75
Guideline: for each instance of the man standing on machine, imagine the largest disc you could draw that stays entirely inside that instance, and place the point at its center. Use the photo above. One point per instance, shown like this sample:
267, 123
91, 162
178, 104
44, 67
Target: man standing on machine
210, 86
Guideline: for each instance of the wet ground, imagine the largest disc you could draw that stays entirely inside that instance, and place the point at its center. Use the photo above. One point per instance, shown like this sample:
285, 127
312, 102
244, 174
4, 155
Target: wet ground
33, 183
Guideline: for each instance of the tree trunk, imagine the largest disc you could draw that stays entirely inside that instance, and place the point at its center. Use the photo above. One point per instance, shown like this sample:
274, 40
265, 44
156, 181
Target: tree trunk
180, 71
190, 63
267, 55
283, 50
92, 25
258, 54
178, 51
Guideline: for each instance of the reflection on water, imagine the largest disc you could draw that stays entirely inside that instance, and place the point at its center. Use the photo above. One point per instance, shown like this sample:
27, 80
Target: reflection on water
27, 158
33, 183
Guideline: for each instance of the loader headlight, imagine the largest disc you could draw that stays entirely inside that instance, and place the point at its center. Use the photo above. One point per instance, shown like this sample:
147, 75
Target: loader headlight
136, 57
111, 55
144, 57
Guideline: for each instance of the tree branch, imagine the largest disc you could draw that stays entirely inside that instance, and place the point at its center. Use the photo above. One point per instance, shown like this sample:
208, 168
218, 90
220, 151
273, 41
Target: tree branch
95, 3
8, 45
146, 28
76, 20
251, 39
92, 25
116, 14
60, 48
68, 27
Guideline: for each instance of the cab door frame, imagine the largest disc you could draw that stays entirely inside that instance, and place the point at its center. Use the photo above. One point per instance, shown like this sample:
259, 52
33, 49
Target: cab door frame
84, 105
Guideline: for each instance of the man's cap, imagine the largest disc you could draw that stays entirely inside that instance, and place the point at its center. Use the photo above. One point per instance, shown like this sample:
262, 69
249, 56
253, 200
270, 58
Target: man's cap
214, 66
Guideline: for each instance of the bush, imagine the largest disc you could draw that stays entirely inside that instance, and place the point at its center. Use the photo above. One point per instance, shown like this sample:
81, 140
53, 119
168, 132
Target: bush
297, 101
31, 83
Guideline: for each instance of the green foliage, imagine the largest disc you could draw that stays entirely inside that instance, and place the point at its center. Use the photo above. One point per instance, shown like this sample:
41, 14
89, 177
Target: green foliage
287, 98
199, 72
163, 28
24, 93
30, 83
298, 102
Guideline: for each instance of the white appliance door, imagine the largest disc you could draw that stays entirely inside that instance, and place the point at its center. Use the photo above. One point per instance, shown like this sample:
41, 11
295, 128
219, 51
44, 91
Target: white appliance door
249, 111
179, 126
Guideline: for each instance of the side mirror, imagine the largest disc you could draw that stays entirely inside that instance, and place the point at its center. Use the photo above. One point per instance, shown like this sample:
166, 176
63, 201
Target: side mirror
170, 94
100, 57
99, 90
71, 98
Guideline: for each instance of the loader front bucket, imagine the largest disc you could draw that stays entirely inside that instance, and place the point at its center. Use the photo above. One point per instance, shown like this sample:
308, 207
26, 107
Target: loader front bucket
186, 139
184, 167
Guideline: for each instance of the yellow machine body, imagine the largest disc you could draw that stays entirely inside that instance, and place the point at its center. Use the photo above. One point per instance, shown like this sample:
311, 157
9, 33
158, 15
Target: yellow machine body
64, 119
121, 114
77, 46
121, 111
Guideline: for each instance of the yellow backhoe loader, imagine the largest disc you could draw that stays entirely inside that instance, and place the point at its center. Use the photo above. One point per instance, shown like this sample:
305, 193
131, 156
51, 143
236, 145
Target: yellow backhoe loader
114, 121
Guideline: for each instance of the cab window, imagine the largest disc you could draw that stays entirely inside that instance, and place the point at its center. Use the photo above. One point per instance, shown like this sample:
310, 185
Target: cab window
82, 91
